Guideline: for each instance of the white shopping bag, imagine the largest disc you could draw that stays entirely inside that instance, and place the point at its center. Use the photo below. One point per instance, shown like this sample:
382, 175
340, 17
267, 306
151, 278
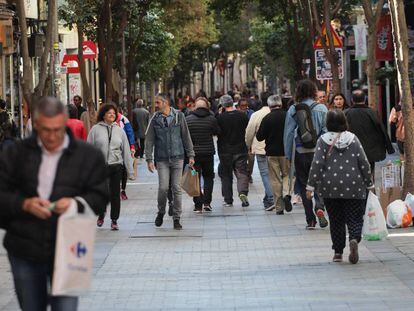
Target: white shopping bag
399, 215
374, 228
74, 251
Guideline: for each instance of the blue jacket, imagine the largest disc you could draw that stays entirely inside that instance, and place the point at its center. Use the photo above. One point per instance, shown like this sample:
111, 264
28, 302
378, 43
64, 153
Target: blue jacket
168, 141
319, 122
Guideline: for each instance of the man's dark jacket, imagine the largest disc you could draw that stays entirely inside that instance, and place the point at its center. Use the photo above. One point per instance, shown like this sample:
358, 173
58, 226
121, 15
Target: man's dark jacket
365, 124
271, 131
203, 126
81, 172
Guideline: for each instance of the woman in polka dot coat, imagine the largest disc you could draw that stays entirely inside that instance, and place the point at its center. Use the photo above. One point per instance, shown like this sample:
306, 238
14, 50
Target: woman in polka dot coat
341, 174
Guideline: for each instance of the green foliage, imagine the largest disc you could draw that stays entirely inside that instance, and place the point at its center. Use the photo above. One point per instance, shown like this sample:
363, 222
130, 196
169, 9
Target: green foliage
157, 51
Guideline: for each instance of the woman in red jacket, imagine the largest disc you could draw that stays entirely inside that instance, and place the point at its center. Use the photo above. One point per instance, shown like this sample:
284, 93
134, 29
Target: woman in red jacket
75, 125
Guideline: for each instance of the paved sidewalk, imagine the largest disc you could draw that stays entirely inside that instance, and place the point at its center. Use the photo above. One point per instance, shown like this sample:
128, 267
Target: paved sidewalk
234, 258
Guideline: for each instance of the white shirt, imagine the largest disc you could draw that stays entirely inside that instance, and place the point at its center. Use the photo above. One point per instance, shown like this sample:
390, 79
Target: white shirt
48, 167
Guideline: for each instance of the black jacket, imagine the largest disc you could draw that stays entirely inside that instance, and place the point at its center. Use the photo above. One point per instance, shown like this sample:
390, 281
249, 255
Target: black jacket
364, 123
203, 126
81, 172
233, 126
271, 131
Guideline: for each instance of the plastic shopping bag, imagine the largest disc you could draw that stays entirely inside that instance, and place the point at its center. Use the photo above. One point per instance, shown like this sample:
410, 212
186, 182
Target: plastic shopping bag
74, 251
190, 182
374, 228
409, 200
399, 215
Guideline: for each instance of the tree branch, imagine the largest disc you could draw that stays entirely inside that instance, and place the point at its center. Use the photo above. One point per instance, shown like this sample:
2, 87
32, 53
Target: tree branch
338, 6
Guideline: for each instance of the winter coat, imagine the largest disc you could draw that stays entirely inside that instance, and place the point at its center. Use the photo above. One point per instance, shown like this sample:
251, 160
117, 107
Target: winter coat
232, 132
168, 142
364, 123
340, 168
80, 172
257, 147
124, 123
397, 119
318, 112
203, 126
271, 131
113, 143
78, 128
140, 121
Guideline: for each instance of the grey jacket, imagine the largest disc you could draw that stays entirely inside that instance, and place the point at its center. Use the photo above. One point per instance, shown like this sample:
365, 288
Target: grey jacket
168, 142
140, 119
113, 143
340, 172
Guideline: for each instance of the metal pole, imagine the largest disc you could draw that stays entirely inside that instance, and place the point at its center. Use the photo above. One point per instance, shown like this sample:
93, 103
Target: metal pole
388, 99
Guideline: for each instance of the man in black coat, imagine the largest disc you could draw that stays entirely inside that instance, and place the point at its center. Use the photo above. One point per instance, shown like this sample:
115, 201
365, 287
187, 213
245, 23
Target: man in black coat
203, 126
271, 131
365, 124
232, 151
49, 167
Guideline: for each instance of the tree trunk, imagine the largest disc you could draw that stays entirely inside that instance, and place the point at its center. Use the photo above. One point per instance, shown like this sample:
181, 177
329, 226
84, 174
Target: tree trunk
27, 81
85, 85
372, 19
371, 69
399, 25
45, 74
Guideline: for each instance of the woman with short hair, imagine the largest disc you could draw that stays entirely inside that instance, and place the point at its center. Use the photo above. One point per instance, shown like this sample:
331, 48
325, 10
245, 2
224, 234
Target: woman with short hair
107, 136
341, 174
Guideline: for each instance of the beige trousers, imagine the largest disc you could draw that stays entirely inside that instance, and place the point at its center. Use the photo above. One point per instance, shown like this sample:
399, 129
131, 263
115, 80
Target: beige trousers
279, 179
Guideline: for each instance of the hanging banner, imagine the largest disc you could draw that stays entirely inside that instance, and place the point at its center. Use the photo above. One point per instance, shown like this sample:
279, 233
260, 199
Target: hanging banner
384, 49
360, 34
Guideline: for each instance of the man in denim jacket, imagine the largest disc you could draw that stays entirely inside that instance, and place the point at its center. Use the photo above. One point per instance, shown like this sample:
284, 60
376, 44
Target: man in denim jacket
169, 138
305, 93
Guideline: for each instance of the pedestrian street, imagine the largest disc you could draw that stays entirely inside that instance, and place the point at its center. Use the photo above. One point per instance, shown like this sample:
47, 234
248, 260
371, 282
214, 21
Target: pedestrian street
234, 259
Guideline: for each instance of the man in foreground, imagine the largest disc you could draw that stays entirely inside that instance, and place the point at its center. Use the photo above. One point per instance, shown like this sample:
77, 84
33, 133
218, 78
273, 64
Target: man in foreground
39, 178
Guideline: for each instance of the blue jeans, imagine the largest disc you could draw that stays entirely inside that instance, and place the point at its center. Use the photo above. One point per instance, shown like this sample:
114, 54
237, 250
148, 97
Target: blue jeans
170, 172
31, 281
264, 173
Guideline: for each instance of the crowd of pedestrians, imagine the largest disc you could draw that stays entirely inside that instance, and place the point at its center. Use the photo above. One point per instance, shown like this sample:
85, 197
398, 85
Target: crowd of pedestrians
326, 148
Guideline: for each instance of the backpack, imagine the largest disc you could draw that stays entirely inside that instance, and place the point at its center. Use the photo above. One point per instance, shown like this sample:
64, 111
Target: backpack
306, 131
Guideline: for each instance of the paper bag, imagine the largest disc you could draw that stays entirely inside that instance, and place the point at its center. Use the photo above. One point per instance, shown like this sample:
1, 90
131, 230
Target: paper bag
75, 239
387, 196
190, 182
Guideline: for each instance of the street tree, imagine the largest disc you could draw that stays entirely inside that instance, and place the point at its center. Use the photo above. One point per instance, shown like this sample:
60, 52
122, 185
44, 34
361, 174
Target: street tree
32, 93
324, 15
80, 15
400, 35
372, 17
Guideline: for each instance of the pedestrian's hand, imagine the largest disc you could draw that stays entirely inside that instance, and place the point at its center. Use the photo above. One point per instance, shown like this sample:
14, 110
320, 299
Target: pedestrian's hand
37, 207
309, 195
191, 162
62, 205
151, 167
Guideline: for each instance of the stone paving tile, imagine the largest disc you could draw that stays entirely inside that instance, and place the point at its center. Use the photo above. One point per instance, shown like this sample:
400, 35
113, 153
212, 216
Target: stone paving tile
234, 259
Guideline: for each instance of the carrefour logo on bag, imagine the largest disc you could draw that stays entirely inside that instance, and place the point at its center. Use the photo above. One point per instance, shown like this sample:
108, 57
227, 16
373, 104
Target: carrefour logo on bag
79, 249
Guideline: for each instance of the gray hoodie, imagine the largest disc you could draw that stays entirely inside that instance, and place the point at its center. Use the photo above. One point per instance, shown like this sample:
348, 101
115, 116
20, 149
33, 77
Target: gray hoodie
113, 143
340, 172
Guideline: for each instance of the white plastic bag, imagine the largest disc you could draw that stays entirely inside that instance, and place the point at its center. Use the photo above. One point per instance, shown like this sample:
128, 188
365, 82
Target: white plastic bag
374, 228
398, 215
74, 251
409, 200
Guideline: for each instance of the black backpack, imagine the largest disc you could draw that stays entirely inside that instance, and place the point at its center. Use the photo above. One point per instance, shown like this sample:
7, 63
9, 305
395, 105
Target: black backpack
306, 130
